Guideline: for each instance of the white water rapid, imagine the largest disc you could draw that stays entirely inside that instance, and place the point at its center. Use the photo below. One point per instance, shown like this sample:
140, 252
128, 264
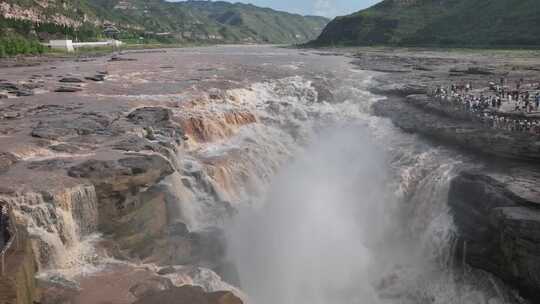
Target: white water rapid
358, 214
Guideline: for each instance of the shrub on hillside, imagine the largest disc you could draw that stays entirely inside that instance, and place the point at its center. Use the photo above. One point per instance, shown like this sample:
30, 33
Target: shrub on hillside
14, 45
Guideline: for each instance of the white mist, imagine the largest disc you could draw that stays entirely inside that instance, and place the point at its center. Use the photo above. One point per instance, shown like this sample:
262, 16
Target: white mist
308, 243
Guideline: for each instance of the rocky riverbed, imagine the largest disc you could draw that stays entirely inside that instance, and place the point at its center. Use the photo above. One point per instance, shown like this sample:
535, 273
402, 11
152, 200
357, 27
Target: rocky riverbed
148, 177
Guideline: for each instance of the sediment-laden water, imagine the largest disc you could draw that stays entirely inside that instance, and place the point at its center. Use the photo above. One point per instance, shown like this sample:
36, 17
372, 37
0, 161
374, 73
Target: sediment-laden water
358, 213
320, 200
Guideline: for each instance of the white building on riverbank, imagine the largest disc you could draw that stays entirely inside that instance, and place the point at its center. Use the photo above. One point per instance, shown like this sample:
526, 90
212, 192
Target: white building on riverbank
70, 46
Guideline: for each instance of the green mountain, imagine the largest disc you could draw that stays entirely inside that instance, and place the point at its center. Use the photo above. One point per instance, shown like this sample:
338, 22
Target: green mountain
474, 23
155, 20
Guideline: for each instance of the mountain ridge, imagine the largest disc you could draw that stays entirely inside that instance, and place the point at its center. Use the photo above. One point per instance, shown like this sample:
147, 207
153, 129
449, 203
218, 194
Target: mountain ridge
474, 23
156, 20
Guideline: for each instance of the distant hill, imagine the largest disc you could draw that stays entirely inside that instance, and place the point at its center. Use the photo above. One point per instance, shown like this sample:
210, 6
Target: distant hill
473, 23
155, 20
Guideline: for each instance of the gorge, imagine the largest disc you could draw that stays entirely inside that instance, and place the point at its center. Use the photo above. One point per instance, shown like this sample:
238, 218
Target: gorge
260, 174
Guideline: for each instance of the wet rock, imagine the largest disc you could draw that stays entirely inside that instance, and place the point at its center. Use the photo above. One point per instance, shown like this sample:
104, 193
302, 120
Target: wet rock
64, 89
499, 228
391, 69
208, 246
189, 294
32, 86
400, 89
324, 94
116, 183
96, 78
85, 124
472, 71
155, 166
159, 120
166, 270
178, 229
9, 86
63, 282
149, 116
49, 164
137, 144
65, 148
117, 58
71, 80
22, 93
151, 286
11, 115
422, 68
7, 160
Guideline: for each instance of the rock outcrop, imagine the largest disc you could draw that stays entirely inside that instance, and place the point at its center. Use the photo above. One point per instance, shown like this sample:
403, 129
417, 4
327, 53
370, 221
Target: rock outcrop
468, 135
189, 295
17, 283
118, 183
498, 220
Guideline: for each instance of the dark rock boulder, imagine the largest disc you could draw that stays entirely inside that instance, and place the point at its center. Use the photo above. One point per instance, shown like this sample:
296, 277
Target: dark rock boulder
157, 121
137, 144
472, 71
189, 295
22, 93
64, 89
117, 58
151, 286
124, 169
9, 86
32, 86
498, 221
49, 164
65, 148
399, 89
71, 80
85, 124
150, 116
97, 78
15, 89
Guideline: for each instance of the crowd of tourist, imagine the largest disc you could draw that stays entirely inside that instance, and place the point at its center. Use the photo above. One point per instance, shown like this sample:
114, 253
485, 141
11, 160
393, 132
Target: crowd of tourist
499, 107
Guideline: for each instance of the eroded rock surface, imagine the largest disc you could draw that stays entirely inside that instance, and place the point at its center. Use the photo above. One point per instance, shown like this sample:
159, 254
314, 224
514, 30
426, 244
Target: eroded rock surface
191, 295
468, 135
499, 225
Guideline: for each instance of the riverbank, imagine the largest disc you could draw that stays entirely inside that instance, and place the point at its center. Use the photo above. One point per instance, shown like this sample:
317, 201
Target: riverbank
496, 206
50, 56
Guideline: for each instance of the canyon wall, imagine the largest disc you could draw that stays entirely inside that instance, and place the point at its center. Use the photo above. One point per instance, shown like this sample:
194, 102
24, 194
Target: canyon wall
498, 218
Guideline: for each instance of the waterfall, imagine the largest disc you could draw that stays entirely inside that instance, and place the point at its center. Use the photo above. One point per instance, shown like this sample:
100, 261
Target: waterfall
355, 212
61, 225
321, 202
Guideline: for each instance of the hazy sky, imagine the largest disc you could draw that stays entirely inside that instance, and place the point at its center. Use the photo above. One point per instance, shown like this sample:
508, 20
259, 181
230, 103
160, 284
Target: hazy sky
328, 8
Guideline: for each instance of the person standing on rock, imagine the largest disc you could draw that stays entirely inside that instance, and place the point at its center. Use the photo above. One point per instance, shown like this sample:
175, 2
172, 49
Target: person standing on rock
537, 101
